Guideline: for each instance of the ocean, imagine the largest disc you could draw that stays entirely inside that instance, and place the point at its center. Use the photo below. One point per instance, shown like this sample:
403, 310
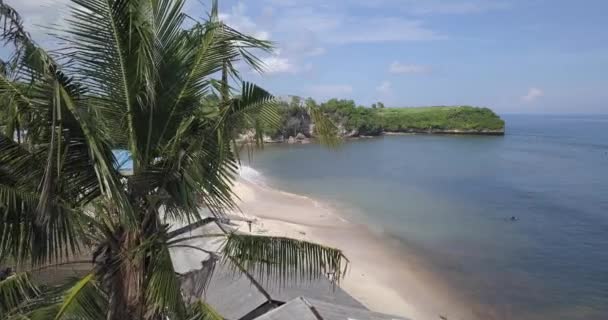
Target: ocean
517, 223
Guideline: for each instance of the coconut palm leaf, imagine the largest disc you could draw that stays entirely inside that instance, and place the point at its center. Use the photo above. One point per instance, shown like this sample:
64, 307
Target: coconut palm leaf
57, 136
29, 234
110, 42
202, 311
254, 106
163, 294
131, 77
283, 259
324, 129
83, 301
15, 291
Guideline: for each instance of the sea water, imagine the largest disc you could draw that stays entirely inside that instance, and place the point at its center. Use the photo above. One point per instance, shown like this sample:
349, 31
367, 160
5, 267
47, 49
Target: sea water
518, 223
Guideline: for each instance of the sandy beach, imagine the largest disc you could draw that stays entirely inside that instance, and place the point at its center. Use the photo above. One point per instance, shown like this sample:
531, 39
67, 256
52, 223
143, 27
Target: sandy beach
380, 276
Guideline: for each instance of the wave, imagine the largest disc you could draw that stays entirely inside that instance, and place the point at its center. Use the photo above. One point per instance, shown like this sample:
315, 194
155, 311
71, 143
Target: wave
249, 174
255, 177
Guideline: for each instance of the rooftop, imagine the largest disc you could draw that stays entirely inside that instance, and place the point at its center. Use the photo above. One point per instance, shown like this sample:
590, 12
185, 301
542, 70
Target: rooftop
240, 295
304, 308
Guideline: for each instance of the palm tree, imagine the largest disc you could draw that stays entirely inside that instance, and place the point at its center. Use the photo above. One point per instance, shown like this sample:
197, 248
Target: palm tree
128, 75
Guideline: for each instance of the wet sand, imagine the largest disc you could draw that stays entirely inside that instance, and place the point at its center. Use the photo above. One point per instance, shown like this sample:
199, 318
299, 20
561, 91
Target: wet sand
381, 275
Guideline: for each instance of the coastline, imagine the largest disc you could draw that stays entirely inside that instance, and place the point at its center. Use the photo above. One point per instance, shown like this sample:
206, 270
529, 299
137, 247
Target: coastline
480, 132
405, 132
381, 276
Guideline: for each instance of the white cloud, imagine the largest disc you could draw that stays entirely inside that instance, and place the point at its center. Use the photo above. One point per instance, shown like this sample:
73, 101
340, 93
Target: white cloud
420, 7
290, 55
276, 64
238, 19
316, 52
336, 22
38, 15
382, 29
306, 29
279, 63
385, 88
331, 91
532, 95
456, 7
284, 3
400, 68
299, 43
338, 28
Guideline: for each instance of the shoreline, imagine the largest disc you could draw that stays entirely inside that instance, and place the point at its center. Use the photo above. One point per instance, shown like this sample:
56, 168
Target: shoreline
381, 275
405, 132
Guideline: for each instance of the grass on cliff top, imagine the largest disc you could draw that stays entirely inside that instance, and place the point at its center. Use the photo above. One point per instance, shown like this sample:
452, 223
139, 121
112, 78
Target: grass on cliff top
462, 118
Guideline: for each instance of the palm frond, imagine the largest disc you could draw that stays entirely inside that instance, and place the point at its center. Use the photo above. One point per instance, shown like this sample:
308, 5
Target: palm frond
84, 300
98, 152
163, 295
282, 259
13, 31
27, 233
130, 77
325, 130
254, 105
193, 69
15, 291
111, 49
202, 311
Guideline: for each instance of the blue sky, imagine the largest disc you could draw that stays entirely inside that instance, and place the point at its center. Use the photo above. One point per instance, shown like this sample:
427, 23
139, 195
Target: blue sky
536, 56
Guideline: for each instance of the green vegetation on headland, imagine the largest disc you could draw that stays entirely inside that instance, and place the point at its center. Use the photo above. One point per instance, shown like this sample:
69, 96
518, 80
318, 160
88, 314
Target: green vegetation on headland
464, 118
353, 120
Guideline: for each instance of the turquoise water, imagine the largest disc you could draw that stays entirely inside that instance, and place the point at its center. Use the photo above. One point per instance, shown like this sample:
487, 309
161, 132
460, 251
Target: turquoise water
451, 198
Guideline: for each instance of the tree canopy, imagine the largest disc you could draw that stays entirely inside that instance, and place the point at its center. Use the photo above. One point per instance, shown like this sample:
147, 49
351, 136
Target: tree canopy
129, 76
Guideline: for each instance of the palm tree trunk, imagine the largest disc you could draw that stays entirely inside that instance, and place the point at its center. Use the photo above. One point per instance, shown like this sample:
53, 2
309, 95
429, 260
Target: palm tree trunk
127, 283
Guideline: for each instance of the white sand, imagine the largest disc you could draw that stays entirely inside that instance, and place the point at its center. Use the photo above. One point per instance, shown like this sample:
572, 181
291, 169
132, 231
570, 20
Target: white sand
381, 276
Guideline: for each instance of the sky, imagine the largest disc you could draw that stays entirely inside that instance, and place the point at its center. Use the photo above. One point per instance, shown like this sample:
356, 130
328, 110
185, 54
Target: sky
531, 56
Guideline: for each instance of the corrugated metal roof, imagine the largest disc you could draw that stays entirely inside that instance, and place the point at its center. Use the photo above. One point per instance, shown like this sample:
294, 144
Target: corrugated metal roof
232, 295
319, 289
304, 308
293, 310
235, 295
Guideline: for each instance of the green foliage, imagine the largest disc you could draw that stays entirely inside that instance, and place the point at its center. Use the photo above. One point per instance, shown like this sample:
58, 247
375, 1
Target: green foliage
358, 120
134, 75
15, 291
202, 311
363, 120
84, 301
447, 118
294, 119
284, 258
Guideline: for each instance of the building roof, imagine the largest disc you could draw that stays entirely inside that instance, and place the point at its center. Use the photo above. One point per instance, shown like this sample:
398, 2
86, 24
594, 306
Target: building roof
234, 294
231, 294
293, 310
319, 289
303, 308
